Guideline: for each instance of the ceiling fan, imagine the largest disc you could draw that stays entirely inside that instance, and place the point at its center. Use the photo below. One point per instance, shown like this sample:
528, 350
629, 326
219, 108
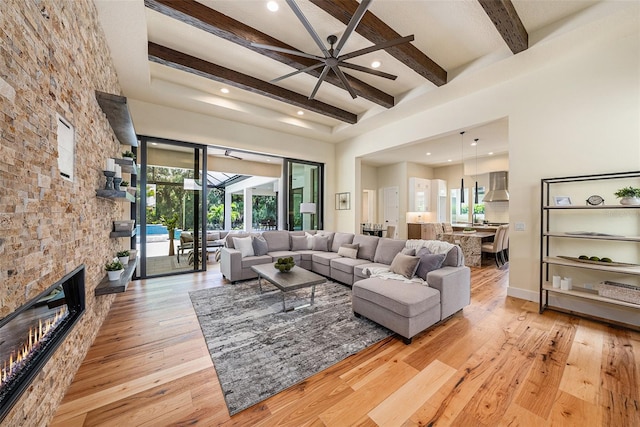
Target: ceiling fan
227, 153
332, 60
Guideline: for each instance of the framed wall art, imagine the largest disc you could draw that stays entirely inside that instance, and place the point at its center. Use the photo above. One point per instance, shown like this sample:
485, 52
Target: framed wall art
343, 201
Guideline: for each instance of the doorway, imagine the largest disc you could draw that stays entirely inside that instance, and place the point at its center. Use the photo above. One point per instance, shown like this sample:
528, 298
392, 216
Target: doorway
171, 214
304, 186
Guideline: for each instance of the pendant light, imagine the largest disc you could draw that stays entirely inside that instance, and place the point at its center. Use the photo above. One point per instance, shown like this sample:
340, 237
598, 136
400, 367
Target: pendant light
462, 158
475, 201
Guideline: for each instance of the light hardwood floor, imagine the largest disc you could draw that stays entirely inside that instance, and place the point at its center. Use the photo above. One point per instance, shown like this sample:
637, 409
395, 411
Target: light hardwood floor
498, 363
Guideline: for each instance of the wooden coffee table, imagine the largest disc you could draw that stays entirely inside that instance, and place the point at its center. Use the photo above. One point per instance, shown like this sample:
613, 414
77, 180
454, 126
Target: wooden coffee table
297, 278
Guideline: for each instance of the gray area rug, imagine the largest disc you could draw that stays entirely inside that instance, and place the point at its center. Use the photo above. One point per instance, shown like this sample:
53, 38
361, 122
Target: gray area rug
258, 351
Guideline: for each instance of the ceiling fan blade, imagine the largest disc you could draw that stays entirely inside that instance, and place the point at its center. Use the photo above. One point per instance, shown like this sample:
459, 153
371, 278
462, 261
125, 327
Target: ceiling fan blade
383, 45
227, 153
368, 70
323, 75
353, 23
292, 4
289, 51
344, 80
304, 70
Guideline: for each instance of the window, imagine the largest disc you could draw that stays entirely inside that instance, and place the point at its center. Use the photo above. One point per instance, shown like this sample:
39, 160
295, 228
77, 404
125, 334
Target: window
459, 212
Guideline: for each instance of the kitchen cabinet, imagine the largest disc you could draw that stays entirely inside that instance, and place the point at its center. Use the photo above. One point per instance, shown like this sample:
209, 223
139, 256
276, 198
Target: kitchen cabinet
419, 195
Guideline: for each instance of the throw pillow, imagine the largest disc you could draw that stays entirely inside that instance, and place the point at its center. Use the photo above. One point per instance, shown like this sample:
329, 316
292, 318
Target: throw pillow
320, 243
348, 250
213, 235
405, 265
244, 245
409, 251
260, 246
428, 262
309, 237
299, 243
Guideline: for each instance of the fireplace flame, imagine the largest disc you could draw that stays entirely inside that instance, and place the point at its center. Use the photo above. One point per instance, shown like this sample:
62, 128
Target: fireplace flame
37, 335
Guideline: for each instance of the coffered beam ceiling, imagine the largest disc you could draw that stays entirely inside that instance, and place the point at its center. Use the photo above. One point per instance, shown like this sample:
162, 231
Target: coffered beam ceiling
375, 30
218, 24
508, 23
181, 61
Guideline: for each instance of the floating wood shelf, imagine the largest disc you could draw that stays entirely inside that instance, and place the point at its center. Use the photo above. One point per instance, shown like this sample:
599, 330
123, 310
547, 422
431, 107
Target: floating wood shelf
107, 286
117, 111
115, 194
128, 165
127, 233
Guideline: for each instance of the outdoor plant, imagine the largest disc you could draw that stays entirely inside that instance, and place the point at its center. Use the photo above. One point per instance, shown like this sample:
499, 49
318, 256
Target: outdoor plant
171, 223
124, 184
627, 192
123, 253
129, 154
114, 265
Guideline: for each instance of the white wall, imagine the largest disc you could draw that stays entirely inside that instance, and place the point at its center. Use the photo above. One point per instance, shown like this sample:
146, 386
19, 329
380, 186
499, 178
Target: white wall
573, 107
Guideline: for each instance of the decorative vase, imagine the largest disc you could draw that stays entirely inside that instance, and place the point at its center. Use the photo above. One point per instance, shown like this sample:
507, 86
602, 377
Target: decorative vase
114, 275
124, 260
630, 201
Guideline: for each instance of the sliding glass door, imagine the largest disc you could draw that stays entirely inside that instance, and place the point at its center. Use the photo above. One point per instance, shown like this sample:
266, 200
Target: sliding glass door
304, 187
171, 215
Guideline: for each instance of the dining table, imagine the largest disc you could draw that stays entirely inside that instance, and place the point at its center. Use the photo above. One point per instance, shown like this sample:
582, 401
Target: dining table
373, 231
471, 244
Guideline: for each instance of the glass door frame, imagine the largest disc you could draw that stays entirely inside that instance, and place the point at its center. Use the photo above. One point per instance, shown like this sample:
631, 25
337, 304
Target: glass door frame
200, 220
287, 164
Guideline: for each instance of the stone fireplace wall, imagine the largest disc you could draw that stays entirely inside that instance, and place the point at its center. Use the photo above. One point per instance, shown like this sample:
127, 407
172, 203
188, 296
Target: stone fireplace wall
53, 56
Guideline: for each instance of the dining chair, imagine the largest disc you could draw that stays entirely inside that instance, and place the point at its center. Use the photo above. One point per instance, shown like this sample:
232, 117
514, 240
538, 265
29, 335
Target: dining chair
447, 227
505, 245
391, 231
439, 230
495, 247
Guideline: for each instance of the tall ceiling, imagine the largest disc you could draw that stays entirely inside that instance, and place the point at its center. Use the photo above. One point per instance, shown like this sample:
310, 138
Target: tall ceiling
183, 53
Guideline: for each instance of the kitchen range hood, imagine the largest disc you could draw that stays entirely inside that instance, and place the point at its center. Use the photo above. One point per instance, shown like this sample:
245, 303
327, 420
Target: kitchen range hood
498, 186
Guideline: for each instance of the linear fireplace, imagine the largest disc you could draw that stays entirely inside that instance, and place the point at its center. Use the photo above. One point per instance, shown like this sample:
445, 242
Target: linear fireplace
30, 335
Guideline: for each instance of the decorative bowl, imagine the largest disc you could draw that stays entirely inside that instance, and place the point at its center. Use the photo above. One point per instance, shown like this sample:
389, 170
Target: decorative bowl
284, 265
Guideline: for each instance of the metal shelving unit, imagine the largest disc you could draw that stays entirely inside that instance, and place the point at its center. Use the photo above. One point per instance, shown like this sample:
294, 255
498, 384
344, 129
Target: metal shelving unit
547, 238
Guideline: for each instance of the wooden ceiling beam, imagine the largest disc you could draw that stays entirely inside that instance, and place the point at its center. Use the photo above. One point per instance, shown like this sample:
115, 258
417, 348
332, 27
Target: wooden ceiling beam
181, 61
375, 30
506, 20
218, 24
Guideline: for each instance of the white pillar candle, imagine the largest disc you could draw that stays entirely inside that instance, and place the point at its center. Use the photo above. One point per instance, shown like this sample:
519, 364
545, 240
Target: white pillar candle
118, 171
111, 163
556, 281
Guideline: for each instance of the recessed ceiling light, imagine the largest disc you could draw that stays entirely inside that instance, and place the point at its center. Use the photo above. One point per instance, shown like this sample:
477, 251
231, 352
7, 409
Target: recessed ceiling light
491, 153
473, 144
224, 90
375, 64
428, 154
268, 160
300, 113
273, 6
448, 160
154, 143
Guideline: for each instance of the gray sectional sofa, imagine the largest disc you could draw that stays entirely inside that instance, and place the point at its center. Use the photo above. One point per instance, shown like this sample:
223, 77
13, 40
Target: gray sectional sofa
363, 262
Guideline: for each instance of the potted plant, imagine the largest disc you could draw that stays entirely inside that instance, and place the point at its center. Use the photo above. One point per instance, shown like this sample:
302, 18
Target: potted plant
129, 154
628, 195
114, 269
171, 224
124, 185
123, 257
